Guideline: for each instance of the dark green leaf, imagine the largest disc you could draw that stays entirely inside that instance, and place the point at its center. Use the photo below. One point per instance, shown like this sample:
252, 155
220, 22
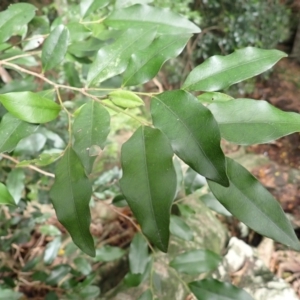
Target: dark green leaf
212, 203
211, 97
12, 130
89, 6
193, 181
196, 262
71, 194
209, 289
147, 295
108, 253
113, 59
90, 128
55, 47
138, 254
144, 16
119, 201
5, 196
149, 182
30, 107
252, 204
83, 265
145, 64
14, 18
180, 229
51, 250
15, 184
132, 280
126, 99
220, 72
247, 121
192, 132
72, 74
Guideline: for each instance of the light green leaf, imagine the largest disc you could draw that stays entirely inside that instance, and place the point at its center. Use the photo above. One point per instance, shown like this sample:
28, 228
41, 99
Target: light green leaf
179, 175
83, 265
125, 3
89, 6
15, 184
212, 97
125, 99
30, 107
108, 253
89, 292
252, 204
55, 47
193, 181
50, 230
145, 64
196, 262
90, 128
149, 182
113, 59
71, 194
51, 250
180, 229
147, 295
5, 196
57, 274
247, 121
44, 159
193, 132
138, 254
209, 289
212, 203
219, 72
144, 16
10, 294
12, 130
30, 145
14, 18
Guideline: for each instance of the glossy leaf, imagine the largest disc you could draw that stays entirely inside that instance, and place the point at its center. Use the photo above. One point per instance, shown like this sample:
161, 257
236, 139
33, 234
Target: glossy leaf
125, 3
71, 194
247, 121
147, 295
193, 181
145, 64
51, 250
12, 130
208, 289
5, 196
14, 18
90, 128
55, 47
192, 132
149, 182
180, 229
144, 16
138, 254
108, 253
89, 6
212, 97
219, 72
196, 262
113, 59
252, 204
30, 107
126, 99
15, 184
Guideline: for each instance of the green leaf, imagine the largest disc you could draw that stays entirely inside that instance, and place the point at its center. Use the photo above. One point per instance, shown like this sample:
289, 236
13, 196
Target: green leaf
83, 265
5, 196
138, 254
124, 3
212, 203
90, 128
193, 181
147, 295
15, 184
119, 201
89, 6
50, 230
247, 121
209, 289
14, 18
71, 194
192, 132
212, 97
10, 294
108, 253
125, 99
145, 64
51, 250
196, 262
252, 204
55, 47
144, 16
30, 107
12, 130
113, 59
57, 274
219, 72
149, 182
89, 292
180, 229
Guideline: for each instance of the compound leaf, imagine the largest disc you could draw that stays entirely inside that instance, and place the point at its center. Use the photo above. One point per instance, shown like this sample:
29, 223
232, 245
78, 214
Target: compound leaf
71, 194
219, 72
192, 132
247, 121
252, 204
149, 182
